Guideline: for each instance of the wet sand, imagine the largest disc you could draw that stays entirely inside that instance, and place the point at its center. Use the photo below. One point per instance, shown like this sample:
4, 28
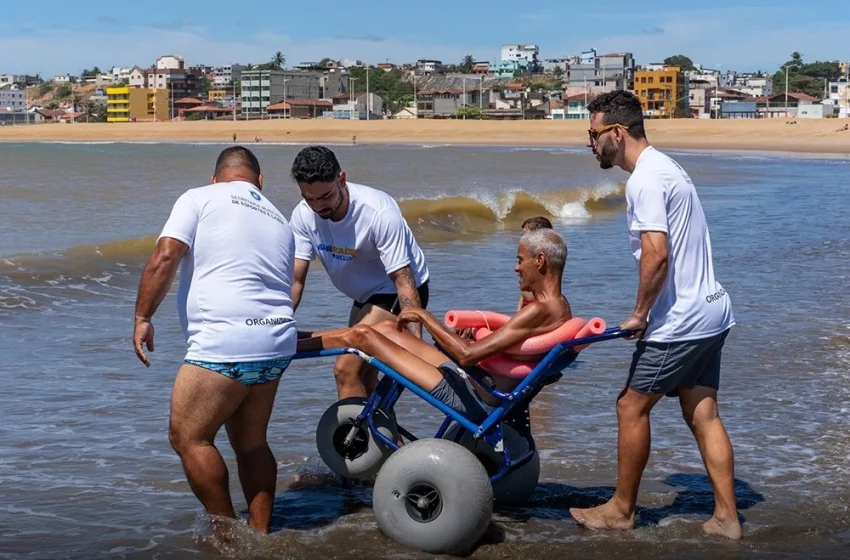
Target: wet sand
807, 136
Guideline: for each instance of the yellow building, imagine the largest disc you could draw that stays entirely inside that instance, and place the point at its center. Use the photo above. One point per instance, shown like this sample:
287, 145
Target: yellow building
220, 94
662, 92
129, 104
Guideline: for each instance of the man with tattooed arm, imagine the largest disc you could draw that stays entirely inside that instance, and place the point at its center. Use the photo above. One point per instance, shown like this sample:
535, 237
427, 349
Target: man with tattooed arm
366, 247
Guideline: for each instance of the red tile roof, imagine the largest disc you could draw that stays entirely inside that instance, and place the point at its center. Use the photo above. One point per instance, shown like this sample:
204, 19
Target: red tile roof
210, 109
188, 101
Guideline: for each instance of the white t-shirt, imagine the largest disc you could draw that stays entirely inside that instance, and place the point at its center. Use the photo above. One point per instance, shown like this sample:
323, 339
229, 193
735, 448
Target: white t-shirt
359, 251
234, 299
692, 304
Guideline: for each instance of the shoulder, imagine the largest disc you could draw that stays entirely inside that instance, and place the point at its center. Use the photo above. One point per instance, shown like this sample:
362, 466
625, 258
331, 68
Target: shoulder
301, 214
370, 197
655, 171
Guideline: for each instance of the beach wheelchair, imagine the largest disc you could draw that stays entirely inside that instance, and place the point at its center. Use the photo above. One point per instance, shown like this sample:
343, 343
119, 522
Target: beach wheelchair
437, 494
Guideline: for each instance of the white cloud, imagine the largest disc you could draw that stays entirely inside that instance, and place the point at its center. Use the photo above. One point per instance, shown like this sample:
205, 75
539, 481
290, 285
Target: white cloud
739, 41
141, 46
745, 39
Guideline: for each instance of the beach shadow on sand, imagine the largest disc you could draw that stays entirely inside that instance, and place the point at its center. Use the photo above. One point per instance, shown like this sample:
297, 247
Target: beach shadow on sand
695, 497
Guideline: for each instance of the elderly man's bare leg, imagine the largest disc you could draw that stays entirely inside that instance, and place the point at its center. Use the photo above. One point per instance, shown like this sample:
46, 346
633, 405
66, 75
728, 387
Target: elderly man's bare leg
246, 430
201, 402
353, 377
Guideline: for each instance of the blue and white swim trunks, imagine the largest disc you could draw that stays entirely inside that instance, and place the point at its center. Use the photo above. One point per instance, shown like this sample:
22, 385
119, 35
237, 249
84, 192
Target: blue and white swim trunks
247, 373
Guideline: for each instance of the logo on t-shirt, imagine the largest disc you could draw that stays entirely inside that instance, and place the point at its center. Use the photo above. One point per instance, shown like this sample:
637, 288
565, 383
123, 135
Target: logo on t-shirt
256, 195
339, 253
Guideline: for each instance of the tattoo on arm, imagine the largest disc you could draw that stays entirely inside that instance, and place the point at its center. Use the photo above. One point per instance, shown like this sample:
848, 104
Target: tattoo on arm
408, 295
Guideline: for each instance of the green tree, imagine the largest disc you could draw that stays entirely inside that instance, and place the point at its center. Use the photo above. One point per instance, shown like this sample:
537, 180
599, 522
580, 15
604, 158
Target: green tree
467, 65
62, 91
558, 71
44, 88
805, 78
204, 85
324, 62
471, 112
392, 87
681, 61
278, 60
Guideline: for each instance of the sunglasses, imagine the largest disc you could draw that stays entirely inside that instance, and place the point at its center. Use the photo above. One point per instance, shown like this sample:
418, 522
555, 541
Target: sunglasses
593, 133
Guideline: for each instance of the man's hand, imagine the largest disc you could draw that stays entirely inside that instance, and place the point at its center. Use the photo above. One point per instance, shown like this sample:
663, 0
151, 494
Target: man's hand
407, 317
635, 324
143, 336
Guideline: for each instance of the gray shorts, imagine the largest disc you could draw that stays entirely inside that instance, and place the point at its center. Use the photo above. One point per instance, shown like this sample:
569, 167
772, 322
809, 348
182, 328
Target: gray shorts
663, 367
456, 390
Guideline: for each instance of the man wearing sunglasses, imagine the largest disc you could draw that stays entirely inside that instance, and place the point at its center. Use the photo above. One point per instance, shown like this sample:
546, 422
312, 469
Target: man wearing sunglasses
681, 318
366, 247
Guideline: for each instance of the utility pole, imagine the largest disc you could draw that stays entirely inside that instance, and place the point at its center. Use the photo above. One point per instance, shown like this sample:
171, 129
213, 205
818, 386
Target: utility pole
463, 106
368, 97
481, 93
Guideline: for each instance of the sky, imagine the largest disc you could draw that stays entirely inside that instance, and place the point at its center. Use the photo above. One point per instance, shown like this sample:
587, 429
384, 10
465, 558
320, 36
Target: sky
65, 37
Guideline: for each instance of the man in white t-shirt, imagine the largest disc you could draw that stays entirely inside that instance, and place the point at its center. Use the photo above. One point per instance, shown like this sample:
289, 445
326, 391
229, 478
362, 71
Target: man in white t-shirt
235, 306
682, 316
366, 247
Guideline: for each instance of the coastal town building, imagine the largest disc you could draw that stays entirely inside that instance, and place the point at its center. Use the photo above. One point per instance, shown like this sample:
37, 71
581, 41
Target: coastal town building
525, 54
9, 80
663, 91
13, 100
262, 88
136, 104
224, 76
594, 73
428, 67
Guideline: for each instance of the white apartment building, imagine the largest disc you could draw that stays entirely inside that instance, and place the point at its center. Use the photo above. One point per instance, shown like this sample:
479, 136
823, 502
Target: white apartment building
170, 62
839, 95
525, 53
119, 73
12, 79
224, 76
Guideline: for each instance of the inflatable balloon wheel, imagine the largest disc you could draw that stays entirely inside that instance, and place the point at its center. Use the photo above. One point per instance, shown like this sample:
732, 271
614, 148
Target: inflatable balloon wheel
515, 488
365, 455
433, 495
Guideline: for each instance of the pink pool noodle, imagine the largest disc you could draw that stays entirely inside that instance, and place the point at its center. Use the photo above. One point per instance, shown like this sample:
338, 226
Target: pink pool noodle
505, 366
462, 319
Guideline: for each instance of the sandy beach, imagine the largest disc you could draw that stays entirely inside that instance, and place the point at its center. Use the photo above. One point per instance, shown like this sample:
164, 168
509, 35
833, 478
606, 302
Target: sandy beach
807, 136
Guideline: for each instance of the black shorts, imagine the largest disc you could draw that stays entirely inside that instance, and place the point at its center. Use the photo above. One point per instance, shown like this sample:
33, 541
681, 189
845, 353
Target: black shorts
390, 301
663, 367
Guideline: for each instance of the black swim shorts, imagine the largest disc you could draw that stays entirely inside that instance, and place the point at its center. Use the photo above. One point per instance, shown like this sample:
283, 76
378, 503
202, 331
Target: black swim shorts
663, 367
390, 301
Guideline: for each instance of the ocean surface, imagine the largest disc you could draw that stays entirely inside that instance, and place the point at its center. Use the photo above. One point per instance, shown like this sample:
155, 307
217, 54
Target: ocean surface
86, 470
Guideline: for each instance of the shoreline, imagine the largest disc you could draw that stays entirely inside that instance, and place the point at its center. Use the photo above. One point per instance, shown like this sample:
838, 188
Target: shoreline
807, 138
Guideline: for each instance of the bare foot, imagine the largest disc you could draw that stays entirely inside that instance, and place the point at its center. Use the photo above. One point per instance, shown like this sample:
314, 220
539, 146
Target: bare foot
728, 529
606, 516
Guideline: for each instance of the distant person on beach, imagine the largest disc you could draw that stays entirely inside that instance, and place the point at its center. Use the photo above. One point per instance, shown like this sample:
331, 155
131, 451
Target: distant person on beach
354, 140
366, 247
681, 319
234, 137
235, 307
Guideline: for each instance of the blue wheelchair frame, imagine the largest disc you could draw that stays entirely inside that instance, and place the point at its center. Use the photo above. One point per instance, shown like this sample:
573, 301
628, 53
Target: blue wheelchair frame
391, 386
